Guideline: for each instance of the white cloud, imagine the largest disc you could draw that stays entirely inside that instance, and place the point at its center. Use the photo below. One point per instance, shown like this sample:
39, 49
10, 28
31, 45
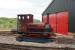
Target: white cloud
14, 4
10, 8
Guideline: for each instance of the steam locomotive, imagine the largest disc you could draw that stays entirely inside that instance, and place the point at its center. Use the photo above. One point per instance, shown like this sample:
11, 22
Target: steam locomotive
27, 28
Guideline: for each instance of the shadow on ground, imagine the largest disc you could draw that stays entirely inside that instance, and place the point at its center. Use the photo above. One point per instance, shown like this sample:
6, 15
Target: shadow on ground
39, 40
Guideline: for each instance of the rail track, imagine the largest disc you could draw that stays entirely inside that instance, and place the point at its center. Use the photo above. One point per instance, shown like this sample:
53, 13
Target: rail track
19, 47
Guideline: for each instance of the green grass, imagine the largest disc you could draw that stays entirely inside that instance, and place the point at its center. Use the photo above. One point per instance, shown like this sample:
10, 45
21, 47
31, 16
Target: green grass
8, 23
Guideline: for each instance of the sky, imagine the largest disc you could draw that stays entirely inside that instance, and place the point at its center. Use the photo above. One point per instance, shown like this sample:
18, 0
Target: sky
10, 8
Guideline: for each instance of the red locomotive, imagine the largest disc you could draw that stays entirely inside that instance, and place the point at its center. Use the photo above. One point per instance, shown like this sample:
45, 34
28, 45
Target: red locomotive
26, 28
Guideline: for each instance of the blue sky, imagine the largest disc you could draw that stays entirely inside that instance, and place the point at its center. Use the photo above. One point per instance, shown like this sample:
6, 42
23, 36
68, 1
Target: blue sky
10, 8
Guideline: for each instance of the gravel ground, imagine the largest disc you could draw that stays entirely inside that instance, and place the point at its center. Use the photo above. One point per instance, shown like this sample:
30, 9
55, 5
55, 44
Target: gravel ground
11, 39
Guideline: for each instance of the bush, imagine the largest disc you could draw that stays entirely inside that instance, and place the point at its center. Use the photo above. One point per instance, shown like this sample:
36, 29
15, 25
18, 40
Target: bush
8, 23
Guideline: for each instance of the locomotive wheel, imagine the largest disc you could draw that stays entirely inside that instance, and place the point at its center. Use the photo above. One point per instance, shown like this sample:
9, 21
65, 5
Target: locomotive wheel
19, 38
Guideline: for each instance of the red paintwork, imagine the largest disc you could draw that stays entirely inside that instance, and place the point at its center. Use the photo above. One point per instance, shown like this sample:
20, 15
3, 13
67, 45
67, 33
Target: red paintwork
44, 19
52, 21
62, 23
36, 25
59, 22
